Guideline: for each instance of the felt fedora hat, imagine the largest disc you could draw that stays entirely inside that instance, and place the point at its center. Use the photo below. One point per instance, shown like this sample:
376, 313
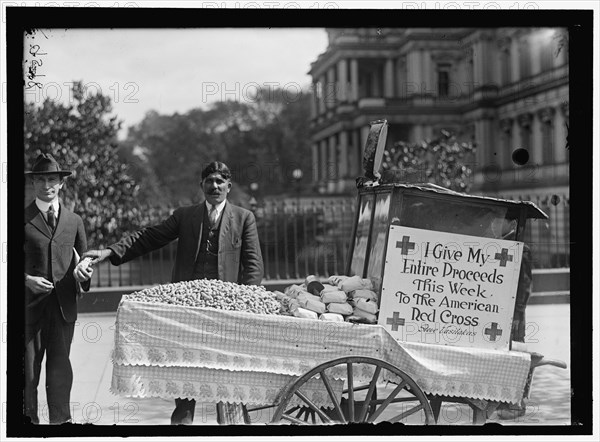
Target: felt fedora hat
46, 164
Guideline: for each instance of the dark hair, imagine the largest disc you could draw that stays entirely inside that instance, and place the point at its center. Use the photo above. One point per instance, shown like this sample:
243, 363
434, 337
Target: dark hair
217, 166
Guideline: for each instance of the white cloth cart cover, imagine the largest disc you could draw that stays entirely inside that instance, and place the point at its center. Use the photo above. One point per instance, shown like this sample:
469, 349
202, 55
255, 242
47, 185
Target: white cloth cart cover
214, 355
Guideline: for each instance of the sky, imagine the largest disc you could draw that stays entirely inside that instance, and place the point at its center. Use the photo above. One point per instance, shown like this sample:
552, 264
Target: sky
172, 70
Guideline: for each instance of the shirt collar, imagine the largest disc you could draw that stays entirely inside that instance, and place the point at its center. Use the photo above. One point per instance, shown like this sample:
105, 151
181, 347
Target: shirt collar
44, 206
219, 206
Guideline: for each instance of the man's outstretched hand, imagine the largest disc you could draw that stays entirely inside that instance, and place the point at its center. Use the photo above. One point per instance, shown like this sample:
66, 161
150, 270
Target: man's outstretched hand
97, 256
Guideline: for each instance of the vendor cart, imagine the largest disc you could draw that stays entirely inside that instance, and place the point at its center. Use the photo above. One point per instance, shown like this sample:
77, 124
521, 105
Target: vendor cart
445, 266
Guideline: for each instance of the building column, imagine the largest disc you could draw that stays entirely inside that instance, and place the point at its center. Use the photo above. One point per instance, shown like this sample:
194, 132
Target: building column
332, 165
427, 132
525, 134
314, 104
323, 91
536, 152
344, 157
324, 178
342, 85
388, 78
413, 62
546, 117
315, 162
331, 87
400, 77
515, 61
427, 80
560, 136
364, 133
354, 79
535, 52
484, 136
485, 147
355, 154
478, 64
505, 152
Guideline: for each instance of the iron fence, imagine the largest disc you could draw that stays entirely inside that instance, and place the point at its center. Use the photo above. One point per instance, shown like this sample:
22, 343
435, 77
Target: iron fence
304, 237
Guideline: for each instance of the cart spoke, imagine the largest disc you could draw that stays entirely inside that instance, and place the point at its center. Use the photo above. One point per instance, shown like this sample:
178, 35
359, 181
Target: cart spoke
336, 404
407, 413
350, 392
292, 419
372, 386
389, 399
291, 410
371, 410
322, 415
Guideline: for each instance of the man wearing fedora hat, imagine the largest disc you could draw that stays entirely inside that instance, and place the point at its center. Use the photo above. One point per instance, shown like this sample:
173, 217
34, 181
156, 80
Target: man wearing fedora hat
54, 240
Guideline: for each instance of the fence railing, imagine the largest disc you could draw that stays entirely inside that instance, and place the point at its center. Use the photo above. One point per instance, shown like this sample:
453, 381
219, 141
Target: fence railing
550, 239
300, 238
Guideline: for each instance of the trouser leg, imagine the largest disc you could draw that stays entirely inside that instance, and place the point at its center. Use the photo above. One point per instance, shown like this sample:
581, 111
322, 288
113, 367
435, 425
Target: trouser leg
184, 411
59, 373
34, 354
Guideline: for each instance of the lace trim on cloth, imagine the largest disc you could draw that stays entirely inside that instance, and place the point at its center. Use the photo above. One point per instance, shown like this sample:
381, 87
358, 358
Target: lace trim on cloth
154, 335
212, 386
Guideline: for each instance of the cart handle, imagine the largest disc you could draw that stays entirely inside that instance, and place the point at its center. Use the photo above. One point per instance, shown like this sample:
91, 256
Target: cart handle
538, 360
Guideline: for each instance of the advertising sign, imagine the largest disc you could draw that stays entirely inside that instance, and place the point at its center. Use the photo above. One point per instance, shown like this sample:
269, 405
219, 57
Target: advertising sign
449, 289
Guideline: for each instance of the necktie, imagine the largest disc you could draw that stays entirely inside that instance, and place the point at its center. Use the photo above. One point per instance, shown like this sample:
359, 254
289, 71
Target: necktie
212, 216
51, 218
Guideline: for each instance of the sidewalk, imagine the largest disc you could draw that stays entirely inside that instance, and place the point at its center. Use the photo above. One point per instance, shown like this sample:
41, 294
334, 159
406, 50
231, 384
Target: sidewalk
92, 401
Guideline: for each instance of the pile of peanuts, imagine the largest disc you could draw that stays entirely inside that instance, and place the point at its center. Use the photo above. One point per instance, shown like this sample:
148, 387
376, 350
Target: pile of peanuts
211, 293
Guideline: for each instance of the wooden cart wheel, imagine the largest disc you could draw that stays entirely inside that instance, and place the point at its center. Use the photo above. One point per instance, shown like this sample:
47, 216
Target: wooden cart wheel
359, 403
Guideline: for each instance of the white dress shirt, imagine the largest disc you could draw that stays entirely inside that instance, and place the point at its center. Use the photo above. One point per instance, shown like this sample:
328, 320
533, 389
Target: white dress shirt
44, 207
219, 207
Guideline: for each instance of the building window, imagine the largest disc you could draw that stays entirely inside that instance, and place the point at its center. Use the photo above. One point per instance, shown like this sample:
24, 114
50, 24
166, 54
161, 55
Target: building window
506, 66
443, 71
524, 59
505, 63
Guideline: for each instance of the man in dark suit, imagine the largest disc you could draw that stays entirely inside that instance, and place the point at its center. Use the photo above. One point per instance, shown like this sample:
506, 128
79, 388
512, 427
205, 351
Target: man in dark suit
53, 283
217, 240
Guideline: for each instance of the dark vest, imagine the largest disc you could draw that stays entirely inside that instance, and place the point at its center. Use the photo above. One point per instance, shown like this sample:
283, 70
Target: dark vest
207, 262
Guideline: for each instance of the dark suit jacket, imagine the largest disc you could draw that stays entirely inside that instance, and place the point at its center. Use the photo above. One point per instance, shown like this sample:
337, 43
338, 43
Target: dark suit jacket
240, 258
43, 249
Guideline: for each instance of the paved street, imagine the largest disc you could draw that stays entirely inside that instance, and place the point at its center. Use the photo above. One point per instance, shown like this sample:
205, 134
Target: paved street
549, 403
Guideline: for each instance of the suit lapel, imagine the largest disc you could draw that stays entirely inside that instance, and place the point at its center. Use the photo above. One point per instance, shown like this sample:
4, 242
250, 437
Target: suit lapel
225, 225
36, 219
197, 224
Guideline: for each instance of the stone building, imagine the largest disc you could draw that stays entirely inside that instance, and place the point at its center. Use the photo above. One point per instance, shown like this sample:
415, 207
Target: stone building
504, 89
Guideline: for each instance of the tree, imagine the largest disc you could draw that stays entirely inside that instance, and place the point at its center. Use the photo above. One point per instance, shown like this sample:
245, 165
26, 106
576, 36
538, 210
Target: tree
82, 135
443, 161
262, 141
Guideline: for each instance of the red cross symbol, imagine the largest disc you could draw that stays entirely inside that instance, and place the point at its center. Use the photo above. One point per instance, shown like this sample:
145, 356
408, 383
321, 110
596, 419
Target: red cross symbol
503, 257
395, 321
493, 332
406, 246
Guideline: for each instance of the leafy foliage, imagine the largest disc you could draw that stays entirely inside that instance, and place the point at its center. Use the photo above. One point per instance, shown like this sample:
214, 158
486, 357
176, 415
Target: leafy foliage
262, 141
443, 161
82, 136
